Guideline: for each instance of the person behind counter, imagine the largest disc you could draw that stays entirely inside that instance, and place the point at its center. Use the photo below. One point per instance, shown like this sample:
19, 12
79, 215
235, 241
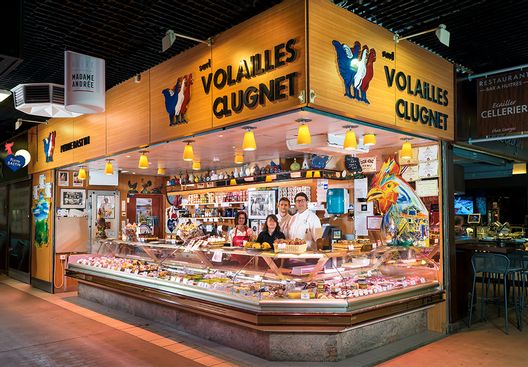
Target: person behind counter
305, 224
284, 216
271, 230
241, 232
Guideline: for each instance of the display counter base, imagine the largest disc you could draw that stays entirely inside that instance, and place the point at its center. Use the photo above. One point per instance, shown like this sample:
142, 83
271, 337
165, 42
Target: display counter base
272, 343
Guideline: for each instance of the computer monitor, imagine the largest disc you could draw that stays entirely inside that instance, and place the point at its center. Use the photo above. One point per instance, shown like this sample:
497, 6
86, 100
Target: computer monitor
473, 219
463, 205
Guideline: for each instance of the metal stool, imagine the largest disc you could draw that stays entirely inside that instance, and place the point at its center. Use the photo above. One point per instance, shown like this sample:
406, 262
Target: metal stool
519, 259
489, 266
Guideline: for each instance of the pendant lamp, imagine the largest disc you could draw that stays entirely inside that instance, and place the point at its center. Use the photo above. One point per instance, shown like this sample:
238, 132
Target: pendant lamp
303, 134
188, 154
143, 160
406, 150
196, 166
161, 170
369, 139
239, 158
82, 173
350, 142
249, 143
519, 169
109, 168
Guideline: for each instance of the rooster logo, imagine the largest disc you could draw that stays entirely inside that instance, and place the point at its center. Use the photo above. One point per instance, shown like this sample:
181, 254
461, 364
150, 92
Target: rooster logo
405, 217
356, 67
49, 146
177, 100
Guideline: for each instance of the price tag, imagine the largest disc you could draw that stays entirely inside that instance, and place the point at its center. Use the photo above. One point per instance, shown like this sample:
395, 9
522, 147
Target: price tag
281, 246
224, 204
350, 247
217, 256
305, 295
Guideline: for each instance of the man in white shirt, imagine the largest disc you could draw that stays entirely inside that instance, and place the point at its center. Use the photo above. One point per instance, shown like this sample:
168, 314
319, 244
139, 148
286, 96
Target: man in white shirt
305, 224
284, 216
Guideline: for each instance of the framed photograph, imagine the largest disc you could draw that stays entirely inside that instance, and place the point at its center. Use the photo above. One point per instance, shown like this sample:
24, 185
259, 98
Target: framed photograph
72, 199
75, 181
106, 206
64, 179
374, 222
261, 203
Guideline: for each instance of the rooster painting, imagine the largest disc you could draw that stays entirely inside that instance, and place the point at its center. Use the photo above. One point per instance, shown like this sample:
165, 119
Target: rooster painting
177, 99
405, 217
49, 146
356, 68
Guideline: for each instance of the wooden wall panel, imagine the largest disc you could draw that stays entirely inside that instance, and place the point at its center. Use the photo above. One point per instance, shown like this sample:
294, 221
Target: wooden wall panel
64, 134
263, 32
327, 23
428, 68
42, 257
93, 126
164, 76
127, 115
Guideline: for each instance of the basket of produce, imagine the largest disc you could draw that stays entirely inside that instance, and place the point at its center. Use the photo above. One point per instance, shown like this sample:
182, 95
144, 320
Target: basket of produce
295, 246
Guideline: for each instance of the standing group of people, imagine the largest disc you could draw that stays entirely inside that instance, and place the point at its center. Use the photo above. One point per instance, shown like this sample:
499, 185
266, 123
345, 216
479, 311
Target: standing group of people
303, 225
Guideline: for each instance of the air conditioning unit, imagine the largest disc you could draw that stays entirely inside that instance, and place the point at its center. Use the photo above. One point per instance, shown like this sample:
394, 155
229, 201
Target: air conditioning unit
327, 144
41, 99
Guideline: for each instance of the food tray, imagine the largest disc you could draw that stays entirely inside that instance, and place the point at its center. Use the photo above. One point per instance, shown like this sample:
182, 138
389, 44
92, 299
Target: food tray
290, 249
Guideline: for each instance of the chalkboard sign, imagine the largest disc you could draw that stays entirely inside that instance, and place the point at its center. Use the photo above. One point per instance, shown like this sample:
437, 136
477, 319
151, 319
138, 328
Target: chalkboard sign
352, 164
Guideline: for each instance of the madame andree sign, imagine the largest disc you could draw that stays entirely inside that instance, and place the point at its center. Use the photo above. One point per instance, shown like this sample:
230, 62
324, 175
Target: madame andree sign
254, 68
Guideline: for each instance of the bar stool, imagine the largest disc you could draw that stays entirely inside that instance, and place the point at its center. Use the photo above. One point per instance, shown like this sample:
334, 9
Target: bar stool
494, 265
520, 259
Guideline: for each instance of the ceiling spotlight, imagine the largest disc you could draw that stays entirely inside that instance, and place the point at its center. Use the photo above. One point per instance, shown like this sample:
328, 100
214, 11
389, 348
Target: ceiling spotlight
441, 32
170, 37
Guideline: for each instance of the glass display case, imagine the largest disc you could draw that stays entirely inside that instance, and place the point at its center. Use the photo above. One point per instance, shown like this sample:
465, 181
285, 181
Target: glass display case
351, 276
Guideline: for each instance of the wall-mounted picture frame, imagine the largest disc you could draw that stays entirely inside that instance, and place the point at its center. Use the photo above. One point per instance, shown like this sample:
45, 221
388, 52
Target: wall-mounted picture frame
63, 179
72, 198
76, 182
261, 203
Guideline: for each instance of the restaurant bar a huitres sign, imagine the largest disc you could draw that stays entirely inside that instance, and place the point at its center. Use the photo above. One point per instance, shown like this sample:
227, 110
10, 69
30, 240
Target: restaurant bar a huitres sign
502, 104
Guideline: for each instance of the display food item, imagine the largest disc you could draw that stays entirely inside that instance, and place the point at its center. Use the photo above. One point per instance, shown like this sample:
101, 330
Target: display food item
216, 241
188, 230
257, 246
292, 246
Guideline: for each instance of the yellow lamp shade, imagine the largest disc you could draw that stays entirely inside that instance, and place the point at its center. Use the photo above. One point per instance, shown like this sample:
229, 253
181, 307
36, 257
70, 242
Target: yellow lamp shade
109, 168
350, 141
519, 169
406, 151
317, 174
232, 182
269, 178
188, 154
82, 174
196, 165
369, 139
309, 174
239, 158
249, 142
161, 170
143, 161
303, 135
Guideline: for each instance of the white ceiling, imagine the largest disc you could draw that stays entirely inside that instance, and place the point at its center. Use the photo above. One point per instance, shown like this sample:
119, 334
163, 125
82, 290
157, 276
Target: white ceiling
216, 150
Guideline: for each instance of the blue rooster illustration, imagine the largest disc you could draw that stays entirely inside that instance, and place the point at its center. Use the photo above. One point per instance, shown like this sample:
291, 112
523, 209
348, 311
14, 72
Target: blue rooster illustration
405, 217
49, 146
354, 66
171, 99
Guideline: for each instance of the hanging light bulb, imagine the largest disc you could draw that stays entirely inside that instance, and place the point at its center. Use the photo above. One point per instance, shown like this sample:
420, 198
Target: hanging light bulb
196, 166
303, 134
369, 139
519, 169
239, 157
350, 142
82, 173
188, 154
143, 160
161, 170
249, 143
109, 168
406, 150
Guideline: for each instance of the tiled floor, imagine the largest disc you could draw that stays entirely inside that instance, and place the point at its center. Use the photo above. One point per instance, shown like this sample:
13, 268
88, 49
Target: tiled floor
40, 329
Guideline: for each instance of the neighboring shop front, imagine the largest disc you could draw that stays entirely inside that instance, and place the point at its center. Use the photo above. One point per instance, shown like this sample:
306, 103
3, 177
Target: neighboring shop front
297, 65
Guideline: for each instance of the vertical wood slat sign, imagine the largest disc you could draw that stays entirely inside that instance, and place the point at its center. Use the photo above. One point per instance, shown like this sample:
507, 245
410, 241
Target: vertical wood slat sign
359, 71
502, 104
